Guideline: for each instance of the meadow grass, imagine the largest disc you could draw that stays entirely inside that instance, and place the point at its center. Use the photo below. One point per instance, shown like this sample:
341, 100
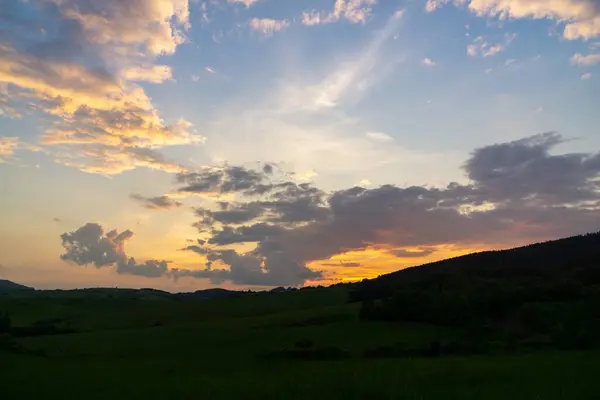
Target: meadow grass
211, 349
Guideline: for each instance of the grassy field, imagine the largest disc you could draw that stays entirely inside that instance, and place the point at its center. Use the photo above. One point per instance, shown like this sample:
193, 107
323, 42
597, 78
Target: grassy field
215, 349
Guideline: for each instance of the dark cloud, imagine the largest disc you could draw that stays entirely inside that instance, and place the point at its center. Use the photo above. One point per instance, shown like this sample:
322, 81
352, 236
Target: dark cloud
230, 213
403, 253
518, 193
244, 234
252, 269
525, 171
227, 179
161, 202
149, 269
342, 264
89, 245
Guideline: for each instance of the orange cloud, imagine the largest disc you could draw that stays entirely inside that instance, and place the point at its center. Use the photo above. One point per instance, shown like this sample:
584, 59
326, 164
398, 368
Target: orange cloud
374, 261
100, 113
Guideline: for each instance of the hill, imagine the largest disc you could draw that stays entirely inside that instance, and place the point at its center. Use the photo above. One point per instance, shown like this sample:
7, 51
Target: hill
11, 287
15, 290
547, 292
577, 255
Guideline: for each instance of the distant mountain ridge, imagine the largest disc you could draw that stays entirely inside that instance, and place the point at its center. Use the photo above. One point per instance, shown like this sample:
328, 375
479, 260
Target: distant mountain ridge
8, 288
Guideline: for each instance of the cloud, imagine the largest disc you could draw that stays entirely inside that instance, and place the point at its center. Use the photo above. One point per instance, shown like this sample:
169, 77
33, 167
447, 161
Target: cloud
131, 25
523, 171
89, 245
153, 74
403, 253
236, 215
354, 11
351, 77
109, 160
585, 60
306, 124
379, 137
156, 203
586, 76
267, 26
581, 18
226, 179
247, 3
8, 145
518, 192
342, 264
433, 5
246, 269
428, 62
82, 75
149, 269
482, 48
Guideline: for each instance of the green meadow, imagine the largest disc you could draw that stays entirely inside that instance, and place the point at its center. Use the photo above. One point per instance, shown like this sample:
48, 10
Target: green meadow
302, 344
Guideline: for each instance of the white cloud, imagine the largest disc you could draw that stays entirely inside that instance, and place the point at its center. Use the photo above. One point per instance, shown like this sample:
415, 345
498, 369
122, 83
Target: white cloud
304, 123
154, 73
267, 26
586, 76
8, 146
97, 111
354, 11
433, 5
305, 176
379, 137
125, 26
585, 60
428, 62
247, 3
351, 79
581, 17
482, 48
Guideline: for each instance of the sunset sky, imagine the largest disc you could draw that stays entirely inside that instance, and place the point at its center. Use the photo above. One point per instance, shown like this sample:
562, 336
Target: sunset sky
183, 144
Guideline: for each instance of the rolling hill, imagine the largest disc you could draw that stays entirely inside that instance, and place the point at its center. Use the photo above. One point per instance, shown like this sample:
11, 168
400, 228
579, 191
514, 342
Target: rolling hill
7, 286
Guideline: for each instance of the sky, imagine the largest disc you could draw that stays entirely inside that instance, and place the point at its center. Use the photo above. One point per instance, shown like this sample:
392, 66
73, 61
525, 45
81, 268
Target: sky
251, 144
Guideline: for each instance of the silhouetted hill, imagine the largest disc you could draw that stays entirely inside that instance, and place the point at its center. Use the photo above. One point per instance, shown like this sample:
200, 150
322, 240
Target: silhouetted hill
10, 287
579, 255
207, 294
546, 293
